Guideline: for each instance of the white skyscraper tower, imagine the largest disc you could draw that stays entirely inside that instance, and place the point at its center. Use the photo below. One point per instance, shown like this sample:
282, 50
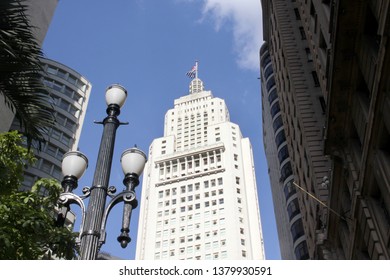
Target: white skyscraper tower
199, 195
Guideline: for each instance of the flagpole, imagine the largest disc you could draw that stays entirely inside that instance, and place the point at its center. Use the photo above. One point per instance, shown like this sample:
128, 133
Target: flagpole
196, 69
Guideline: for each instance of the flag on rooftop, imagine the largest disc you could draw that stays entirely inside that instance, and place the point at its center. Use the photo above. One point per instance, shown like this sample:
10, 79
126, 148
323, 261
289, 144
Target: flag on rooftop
192, 73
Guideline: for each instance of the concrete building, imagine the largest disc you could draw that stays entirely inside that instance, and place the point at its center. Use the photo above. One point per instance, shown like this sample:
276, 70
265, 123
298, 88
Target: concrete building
199, 196
331, 65
287, 213
69, 92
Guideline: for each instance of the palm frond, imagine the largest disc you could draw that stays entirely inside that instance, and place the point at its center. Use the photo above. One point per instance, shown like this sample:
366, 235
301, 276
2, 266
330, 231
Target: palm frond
21, 81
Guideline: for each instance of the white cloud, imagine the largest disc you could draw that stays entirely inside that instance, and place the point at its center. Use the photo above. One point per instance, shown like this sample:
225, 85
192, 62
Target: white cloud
245, 17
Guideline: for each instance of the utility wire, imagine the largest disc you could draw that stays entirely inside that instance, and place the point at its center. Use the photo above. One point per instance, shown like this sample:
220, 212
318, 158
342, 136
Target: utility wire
320, 202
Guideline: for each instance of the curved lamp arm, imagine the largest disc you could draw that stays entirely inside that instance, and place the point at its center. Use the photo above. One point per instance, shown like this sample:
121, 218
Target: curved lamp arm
67, 199
130, 202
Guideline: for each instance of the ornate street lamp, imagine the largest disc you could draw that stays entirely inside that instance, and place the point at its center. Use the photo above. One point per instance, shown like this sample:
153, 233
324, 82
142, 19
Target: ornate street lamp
93, 221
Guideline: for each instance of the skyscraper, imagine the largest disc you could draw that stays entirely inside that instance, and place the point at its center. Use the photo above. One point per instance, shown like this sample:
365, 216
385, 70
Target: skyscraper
199, 196
331, 65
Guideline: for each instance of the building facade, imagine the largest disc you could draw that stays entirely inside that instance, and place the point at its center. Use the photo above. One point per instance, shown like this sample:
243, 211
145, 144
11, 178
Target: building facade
287, 213
331, 64
199, 195
69, 95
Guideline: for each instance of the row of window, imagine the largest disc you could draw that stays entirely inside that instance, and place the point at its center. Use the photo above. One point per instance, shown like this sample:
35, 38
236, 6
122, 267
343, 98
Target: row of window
61, 136
66, 106
189, 198
67, 76
189, 163
183, 251
65, 122
190, 187
195, 206
64, 89
50, 168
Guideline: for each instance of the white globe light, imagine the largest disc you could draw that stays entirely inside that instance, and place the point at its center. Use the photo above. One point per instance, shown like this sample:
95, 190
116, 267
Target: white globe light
74, 163
133, 161
116, 94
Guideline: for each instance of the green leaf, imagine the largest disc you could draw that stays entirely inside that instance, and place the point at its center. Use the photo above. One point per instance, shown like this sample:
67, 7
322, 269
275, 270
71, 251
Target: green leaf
27, 227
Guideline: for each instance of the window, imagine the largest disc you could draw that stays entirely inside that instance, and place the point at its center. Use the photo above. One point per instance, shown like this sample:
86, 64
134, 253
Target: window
52, 70
280, 138
323, 104
51, 150
297, 230
272, 96
270, 83
275, 109
301, 251
72, 79
303, 34
57, 172
70, 125
283, 154
63, 105
277, 123
289, 190
315, 79
66, 139
286, 171
268, 71
309, 56
297, 15
293, 209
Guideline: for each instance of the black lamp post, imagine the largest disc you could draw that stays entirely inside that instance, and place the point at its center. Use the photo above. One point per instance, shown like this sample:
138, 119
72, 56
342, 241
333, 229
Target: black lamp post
92, 230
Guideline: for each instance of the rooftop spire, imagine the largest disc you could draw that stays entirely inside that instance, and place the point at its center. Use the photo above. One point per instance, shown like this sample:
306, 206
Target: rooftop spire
196, 84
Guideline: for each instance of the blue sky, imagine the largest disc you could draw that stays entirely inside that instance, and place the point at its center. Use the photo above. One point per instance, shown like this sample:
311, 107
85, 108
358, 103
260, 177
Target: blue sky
147, 46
